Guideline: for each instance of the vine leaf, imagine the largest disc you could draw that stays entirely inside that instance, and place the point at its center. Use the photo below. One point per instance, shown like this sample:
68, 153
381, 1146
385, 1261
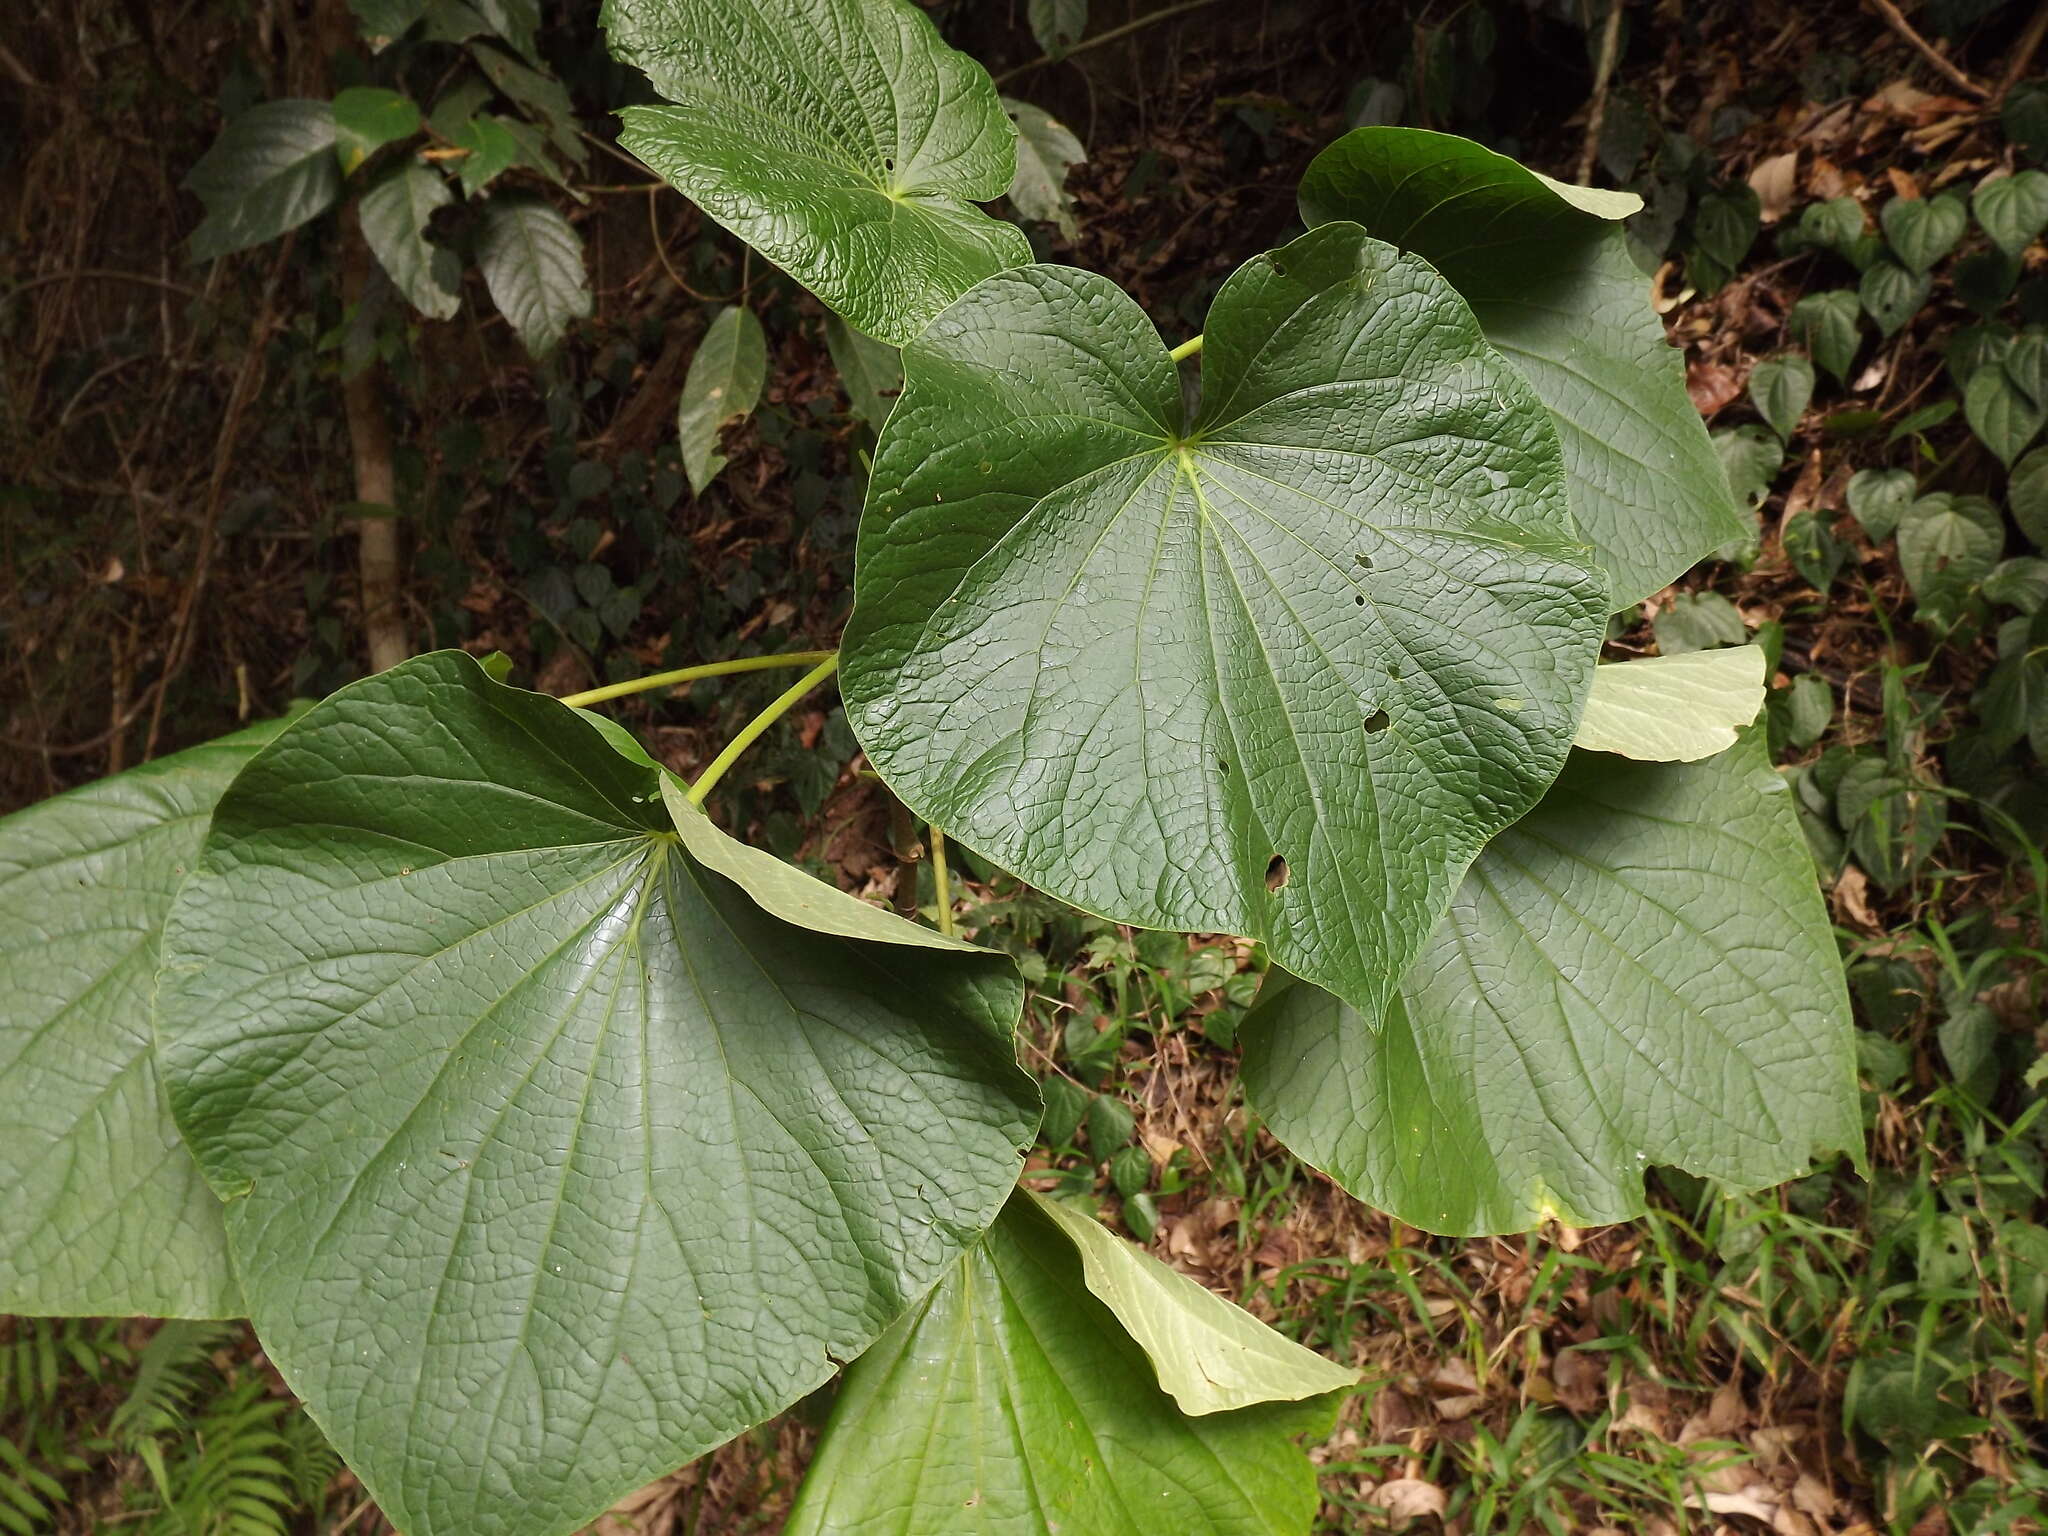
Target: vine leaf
532, 261
1012, 1403
553, 1156
723, 386
1279, 670
1046, 147
1673, 709
1640, 971
1211, 1357
272, 169
105, 1211
394, 215
1547, 270
840, 138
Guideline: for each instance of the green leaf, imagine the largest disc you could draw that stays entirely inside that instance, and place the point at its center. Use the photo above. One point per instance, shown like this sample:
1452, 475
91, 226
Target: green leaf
384, 21
493, 149
2003, 415
104, 1209
2020, 583
394, 215
1013, 1403
1829, 325
871, 370
366, 118
1922, 230
1045, 148
1880, 497
1809, 707
840, 138
1673, 709
1698, 621
553, 1153
1724, 225
2013, 209
724, 385
2027, 491
1276, 671
1211, 1356
1057, 24
1950, 539
1555, 289
1891, 295
1984, 280
271, 170
1781, 388
540, 96
1815, 552
1640, 971
532, 261
1751, 457
1836, 225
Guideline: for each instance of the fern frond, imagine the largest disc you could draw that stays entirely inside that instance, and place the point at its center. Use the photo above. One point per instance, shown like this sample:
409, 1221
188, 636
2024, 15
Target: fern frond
175, 1365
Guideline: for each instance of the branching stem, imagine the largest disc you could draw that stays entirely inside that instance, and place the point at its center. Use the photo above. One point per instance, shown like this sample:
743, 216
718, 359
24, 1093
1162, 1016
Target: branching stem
691, 674
754, 728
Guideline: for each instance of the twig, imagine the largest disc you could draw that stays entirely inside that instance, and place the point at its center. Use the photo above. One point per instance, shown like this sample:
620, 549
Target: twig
1166, 13
19, 70
1896, 20
2024, 49
1603, 71
369, 437
105, 272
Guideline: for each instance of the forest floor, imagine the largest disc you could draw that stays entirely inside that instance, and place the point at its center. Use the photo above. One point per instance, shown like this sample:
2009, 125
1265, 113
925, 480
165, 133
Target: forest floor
1844, 1354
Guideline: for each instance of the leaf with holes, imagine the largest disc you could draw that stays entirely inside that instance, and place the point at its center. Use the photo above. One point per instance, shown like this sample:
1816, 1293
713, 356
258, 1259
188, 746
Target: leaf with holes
1891, 295
559, 1144
1950, 540
272, 169
394, 214
1829, 325
1057, 25
840, 138
1640, 971
1922, 230
532, 261
1780, 388
1673, 709
1046, 147
104, 1209
1880, 497
1546, 269
1013, 1403
2013, 209
1278, 668
723, 386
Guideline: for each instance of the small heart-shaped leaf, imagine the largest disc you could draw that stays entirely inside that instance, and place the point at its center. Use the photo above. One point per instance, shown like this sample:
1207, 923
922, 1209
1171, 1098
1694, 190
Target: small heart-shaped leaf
1879, 498
1891, 295
1922, 230
2013, 209
1830, 326
2004, 416
1780, 388
1954, 540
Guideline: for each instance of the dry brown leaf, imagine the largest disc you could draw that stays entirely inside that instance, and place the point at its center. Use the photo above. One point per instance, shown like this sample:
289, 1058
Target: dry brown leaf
1775, 182
1409, 1498
1852, 899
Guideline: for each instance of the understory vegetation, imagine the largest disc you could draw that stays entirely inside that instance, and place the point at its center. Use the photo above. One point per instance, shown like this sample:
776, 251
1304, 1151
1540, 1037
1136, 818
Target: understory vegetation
477, 381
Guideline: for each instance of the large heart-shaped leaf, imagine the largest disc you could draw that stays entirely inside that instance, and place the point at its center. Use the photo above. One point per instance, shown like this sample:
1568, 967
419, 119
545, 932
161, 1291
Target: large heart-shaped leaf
272, 168
1279, 670
840, 138
1012, 1403
103, 1209
553, 1154
1547, 270
1640, 971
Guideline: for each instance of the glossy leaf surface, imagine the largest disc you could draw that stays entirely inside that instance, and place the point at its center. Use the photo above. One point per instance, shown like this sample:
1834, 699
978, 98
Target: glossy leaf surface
103, 1209
1012, 1403
1210, 1356
840, 138
553, 1156
1279, 670
1548, 272
1673, 709
532, 261
1640, 971
272, 168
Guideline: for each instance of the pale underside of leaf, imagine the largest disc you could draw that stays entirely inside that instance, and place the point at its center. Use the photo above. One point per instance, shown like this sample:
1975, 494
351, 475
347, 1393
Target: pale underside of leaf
1211, 1356
103, 1210
1011, 1403
1548, 273
1673, 709
1639, 972
552, 1158
840, 138
1279, 671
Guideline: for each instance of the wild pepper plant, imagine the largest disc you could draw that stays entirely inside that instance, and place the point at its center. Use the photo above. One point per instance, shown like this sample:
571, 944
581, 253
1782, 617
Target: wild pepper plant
551, 1136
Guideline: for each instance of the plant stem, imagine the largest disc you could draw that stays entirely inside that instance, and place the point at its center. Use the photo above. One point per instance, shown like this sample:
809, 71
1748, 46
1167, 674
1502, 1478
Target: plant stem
690, 674
369, 435
942, 883
754, 728
1165, 13
1186, 349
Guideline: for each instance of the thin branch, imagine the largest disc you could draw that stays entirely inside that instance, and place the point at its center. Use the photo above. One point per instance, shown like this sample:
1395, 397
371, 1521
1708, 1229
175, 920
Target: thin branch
755, 728
1896, 20
106, 272
2024, 49
1166, 13
1603, 72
